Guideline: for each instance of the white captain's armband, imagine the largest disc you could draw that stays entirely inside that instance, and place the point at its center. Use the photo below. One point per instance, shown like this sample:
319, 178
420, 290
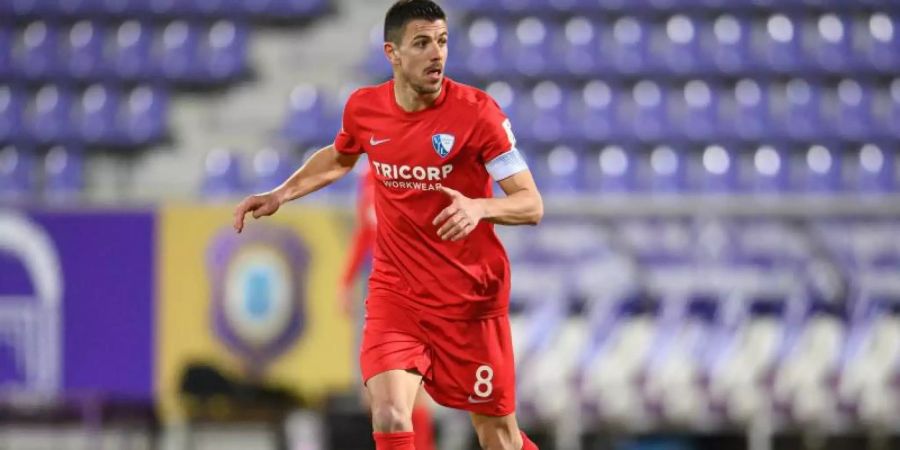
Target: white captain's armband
506, 165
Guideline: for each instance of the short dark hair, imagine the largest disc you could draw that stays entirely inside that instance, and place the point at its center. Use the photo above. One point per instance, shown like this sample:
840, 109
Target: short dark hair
404, 11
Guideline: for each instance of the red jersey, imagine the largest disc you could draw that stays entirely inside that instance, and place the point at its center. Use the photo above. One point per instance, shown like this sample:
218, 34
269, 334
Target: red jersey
413, 154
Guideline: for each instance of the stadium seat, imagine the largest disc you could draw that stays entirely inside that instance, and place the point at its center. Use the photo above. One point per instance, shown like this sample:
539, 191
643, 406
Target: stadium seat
648, 111
558, 170
726, 43
888, 121
779, 49
225, 50
97, 112
84, 49
820, 170
180, 57
680, 45
718, 173
610, 170
873, 169
222, 174
541, 114
696, 112
628, 47
37, 53
12, 109
482, 49
143, 116
852, 117
132, 57
50, 117
751, 116
768, 170
830, 44
526, 48
309, 120
667, 170
577, 48
16, 173
799, 114
882, 42
594, 112
270, 168
63, 171
7, 43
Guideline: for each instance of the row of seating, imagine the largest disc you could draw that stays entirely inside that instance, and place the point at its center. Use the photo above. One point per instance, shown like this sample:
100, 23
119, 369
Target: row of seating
245, 9
57, 175
100, 114
538, 46
507, 7
175, 51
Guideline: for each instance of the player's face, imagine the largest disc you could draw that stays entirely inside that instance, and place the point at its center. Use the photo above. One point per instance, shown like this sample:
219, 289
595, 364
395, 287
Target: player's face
422, 54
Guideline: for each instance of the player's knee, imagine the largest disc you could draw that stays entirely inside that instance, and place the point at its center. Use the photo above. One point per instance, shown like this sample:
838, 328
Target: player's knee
388, 416
499, 436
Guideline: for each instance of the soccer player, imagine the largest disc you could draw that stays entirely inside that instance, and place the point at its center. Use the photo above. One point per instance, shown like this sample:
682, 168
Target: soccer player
437, 306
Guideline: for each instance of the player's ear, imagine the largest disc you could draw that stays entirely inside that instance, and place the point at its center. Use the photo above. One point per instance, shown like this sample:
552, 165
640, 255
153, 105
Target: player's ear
390, 52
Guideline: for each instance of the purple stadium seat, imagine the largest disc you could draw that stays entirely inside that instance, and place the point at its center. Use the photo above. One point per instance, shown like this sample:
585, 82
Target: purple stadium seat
649, 111
541, 114
50, 118
16, 173
132, 52
799, 115
81, 8
628, 48
97, 112
36, 55
680, 45
888, 122
527, 47
830, 42
610, 170
593, 112
751, 117
222, 174
378, 67
483, 48
509, 99
142, 116
666, 170
577, 47
726, 44
282, 8
874, 169
225, 50
819, 170
558, 169
63, 173
718, 169
882, 42
180, 59
767, 170
309, 120
85, 45
852, 117
696, 111
12, 109
779, 46
270, 168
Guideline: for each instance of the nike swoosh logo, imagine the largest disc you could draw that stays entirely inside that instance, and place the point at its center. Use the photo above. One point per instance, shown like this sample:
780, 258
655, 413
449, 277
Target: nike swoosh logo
479, 400
373, 142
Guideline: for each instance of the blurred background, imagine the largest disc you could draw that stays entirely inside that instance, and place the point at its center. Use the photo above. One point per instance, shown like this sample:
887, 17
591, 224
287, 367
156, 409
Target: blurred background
718, 267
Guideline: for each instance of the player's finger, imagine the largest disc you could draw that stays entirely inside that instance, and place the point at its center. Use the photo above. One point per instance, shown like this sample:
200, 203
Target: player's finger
452, 193
239, 217
451, 223
443, 215
460, 232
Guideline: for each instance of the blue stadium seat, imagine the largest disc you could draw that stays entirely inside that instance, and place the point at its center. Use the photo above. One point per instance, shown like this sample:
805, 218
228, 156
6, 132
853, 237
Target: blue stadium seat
309, 120
483, 48
282, 8
853, 116
541, 114
143, 116
649, 111
36, 53
12, 109
629, 47
768, 170
820, 170
509, 99
679, 45
558, 170
874, 169
666, 170
180, 58
830, 44
50, 118
132, 57
222, 174
780, 48
593, 112
726, 44
98, 110
80, 8
63, 173
696, 112
7, 43
750, 119
719, 171
270, 167
611, 169
17, 180
882, 42
527, 47
577, 47
225, 50
85, 47
888, 122
799, 116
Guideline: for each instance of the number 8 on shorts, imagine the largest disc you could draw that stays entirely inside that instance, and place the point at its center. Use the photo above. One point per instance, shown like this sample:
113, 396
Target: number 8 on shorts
483, 377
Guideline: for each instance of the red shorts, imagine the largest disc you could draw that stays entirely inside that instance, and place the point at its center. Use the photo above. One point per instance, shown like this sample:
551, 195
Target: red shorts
465, 364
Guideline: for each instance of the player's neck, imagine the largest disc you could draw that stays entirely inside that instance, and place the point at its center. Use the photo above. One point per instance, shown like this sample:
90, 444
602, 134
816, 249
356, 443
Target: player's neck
411, 101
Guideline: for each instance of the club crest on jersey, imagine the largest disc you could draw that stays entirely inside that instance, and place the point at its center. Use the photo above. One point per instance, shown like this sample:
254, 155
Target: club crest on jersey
443, 143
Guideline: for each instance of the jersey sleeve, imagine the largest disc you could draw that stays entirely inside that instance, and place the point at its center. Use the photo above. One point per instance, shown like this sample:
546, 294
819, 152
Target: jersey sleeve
346, 139
497, 143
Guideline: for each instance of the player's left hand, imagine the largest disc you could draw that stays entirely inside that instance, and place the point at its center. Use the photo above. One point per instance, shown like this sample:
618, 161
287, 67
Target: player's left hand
460, 218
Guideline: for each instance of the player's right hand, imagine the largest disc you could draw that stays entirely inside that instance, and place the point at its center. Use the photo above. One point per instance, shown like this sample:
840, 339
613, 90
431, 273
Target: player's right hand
259, 205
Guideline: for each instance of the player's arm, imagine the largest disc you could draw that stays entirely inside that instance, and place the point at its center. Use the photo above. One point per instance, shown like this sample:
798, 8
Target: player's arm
521, 206
321, 169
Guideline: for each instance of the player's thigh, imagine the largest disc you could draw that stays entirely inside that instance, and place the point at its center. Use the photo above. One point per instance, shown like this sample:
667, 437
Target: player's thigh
394, 388
497, 431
